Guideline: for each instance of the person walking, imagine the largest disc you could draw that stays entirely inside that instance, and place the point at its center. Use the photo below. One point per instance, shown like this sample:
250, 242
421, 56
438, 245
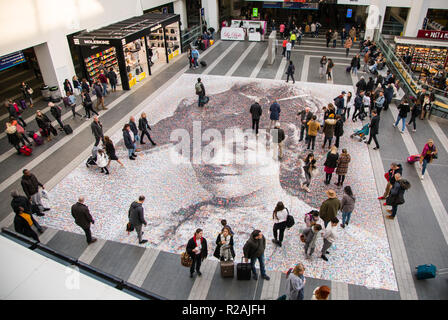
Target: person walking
352, 33
328, 130
388, 96
295, 286
129, 142
349, 102
328, 37
254, 250
200, 91
347, 45
134, 129
282, 30
379, 102
30, 186
224, 245
195, 55
45, 125
14, 111
415, 113
56, 112
428, 154
288, 50
83, 218
347, 205
197, 250
361, 85
99, 95
87, 104
402, 113
274, 113
374, 125
310, 233
323, 66
305, 116
27, 92
390, 177
330, 235
70, 102
110, 151
330, 163
103, 80
292, 39
342, 168
67, 86
190, 58
23, 223
23, 203
256, 112
112, 77
330, 66
309, 170
137, 217
13, 136
334, 38
396, 196
102, 161
280, 216
313, 129
143, 126
343, 36
355, 64
284, 47
321, 293
339, 103
97, 130
329, 208
290, 72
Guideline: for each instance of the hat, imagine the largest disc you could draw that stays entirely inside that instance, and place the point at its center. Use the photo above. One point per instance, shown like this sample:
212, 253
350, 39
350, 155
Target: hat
330, 193
343, 92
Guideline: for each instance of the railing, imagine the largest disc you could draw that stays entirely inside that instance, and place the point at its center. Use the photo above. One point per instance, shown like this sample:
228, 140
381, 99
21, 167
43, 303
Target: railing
189, 36
392, 28
120, 284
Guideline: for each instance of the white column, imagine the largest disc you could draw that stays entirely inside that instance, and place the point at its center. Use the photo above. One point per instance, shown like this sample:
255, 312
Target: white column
180, 8
375, 18
211, 8
55, 62
416, 15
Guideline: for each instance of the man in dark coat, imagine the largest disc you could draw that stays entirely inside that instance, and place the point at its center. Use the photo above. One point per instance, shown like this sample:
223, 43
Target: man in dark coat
394, 168
83, 218
329, 208
253, 250
19, 201
112, 76
30, 186
134, 129
129, 142
396, 196
339, 103
255, 111
361, 85
56, 113
274, 115
278, 136
374, 125
305, 116
97, 130
388, 95
137, 217
338, 129
99, 95
290, 72
143, 126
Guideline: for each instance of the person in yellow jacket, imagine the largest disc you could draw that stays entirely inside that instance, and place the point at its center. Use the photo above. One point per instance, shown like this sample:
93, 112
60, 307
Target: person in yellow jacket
293, 38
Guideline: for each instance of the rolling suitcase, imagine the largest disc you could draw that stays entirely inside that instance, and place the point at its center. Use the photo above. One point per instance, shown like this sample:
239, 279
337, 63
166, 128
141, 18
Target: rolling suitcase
203, 63
348, 69
68, 129
243, 271
426, 271
227, 269
25, 150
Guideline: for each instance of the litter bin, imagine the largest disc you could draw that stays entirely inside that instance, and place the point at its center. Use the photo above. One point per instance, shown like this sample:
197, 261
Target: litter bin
55, 95
45, 90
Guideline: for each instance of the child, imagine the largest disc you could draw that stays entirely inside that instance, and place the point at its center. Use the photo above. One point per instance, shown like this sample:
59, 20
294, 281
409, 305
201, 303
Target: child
102, 161
311, 237
225, 225
311, 218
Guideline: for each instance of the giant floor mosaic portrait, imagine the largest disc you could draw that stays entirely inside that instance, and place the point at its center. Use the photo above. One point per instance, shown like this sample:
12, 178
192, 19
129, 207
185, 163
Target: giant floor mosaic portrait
183, 194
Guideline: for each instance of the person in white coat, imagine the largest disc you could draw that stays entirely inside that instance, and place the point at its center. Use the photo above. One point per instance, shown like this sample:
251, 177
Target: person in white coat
102, 161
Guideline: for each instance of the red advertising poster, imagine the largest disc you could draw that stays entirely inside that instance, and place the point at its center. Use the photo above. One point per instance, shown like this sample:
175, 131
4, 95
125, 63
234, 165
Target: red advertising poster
433, 34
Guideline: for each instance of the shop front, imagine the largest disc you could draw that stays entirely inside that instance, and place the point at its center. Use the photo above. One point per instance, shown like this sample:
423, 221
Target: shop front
133, 48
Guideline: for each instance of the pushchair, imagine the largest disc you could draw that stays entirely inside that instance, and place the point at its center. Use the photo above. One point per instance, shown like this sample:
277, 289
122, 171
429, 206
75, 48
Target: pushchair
362, 134
91, 161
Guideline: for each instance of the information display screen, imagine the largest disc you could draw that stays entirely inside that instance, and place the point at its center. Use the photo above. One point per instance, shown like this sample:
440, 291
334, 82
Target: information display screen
11, 60
349, 13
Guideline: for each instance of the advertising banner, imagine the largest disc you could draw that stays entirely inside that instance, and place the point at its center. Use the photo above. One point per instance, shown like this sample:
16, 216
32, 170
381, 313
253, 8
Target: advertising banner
232, 34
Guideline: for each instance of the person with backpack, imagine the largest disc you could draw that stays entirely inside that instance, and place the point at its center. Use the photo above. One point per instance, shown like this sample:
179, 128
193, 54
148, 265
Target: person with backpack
280, 215
396, 196
137, 217
143, 126
428, 154
290, 72
27, 92
200, 91
195, 56
347, 206
14, 111
310, 235
30, 186
197, 250
56, 112
224, 245
256, 112
254, 250
330, 235
329, 208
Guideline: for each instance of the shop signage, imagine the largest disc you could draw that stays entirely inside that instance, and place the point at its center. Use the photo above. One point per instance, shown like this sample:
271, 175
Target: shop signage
156, 27
232, 34
433, 34
90, 41
255, 12
11, 60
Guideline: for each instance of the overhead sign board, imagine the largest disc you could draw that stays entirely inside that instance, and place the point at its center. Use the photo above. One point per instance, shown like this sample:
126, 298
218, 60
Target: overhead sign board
433, 34
11, 60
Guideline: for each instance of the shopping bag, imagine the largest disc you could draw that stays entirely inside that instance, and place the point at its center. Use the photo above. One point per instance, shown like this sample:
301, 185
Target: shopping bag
44, 194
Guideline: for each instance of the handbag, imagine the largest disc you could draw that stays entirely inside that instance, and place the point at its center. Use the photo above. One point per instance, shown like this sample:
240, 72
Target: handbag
44, 194
30, 91
314, 173
186, 260
129, 227
386, 175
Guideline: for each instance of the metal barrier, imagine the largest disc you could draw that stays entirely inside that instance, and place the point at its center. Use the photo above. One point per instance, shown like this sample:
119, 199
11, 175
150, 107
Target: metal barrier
191, 35
120, 284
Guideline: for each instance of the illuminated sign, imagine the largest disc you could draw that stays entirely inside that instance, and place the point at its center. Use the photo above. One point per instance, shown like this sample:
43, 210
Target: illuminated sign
11, 60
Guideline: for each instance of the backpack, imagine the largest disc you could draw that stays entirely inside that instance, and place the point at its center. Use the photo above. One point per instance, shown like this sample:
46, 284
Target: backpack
289, 220
198, 88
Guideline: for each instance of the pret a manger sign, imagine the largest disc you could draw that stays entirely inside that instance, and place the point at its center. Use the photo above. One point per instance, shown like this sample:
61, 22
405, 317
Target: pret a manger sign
433, 34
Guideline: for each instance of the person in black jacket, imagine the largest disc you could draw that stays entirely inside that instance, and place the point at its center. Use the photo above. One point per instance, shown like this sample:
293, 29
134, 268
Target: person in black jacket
254, 250
256, 112
370, 84
374, 125
224, 245
394, 168
415, 113
134, 129
83, 218
396, 196
110, 151
290, 72
338, 129
112, 76
278, 136
45, 124
99, 95
30, 186
305, 116
87, 103
358, 103
137, 217
388, 95
355, 65
14, 111
129, 141
56, 113
402, 114
143, 126
19, 201
197, 250
23, 222
361, 85
97, 130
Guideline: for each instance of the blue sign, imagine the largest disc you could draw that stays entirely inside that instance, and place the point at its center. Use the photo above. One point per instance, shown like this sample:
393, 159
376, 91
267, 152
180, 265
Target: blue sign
349, 13
202, 12
164, 10
11, 60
